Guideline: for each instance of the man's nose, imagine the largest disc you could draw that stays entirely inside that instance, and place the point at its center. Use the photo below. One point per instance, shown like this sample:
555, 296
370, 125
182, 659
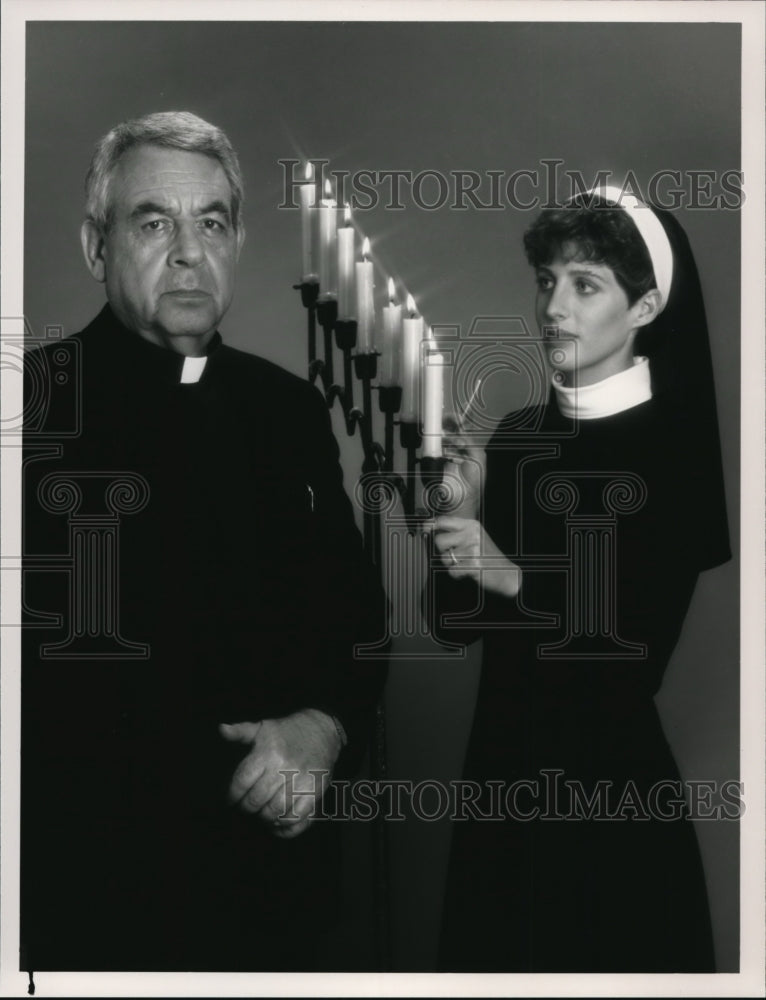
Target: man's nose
186, 249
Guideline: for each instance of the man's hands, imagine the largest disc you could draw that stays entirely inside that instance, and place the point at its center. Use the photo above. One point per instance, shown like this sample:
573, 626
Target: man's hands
300, 743
467, 551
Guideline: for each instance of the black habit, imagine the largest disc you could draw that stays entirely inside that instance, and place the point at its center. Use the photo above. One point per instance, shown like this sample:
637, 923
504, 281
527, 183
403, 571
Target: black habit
592, 864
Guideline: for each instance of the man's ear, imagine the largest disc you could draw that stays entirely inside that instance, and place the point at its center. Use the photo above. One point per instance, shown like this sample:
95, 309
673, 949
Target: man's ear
92, 240
240, 238
647, 309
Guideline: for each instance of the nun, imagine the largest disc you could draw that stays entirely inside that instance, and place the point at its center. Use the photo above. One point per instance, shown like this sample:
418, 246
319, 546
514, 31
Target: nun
575, 561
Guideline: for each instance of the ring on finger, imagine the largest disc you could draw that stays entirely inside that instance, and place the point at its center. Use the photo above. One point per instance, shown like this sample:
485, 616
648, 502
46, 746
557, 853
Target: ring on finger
453, 557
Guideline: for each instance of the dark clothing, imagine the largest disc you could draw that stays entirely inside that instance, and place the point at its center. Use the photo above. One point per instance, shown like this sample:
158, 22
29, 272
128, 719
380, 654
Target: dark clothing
241, 571
565, 711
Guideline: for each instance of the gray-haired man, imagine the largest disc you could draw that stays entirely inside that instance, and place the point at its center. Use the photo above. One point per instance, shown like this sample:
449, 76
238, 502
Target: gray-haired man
163, 744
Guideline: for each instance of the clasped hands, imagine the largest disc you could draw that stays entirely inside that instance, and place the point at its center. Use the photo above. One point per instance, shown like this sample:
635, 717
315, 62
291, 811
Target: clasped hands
459, 538
287, 770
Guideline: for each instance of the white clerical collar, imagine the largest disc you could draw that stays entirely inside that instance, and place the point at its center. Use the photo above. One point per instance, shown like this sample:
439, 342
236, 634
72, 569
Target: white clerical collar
612, 395
193, 369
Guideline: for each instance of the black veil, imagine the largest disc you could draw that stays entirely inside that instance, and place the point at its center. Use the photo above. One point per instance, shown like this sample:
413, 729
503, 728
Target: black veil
678, 347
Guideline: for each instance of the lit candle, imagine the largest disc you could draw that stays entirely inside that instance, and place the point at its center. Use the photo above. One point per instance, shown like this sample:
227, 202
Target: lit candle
328, 232
346, 267
365, 309
307, 192
412, 335
433, 404
392, 338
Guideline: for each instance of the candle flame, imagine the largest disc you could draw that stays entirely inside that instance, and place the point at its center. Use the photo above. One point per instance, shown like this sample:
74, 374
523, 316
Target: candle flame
366, 247
347, 215
391, 290
327, 187
309, 172
411, 305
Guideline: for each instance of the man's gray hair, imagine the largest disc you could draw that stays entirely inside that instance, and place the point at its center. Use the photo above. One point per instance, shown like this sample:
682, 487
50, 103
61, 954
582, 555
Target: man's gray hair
173, 129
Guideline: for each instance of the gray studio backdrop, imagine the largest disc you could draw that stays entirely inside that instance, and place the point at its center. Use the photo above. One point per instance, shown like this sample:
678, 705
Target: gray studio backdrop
442, 97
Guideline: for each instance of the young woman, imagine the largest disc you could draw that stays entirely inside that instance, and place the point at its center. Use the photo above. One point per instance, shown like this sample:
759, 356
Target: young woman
574, 553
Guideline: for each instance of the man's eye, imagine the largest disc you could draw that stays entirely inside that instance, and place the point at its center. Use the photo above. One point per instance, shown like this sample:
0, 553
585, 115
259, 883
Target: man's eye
154, 225
213, 224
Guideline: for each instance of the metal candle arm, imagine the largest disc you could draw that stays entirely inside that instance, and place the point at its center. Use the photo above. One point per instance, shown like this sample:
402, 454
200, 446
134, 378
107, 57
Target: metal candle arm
309, 294
378, 459
327, 314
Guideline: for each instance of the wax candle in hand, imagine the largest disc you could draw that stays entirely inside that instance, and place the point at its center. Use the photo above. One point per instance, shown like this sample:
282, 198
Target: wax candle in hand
307, 192
327, 244
392, 337
346, 267
412, 335
365, 309
433, 403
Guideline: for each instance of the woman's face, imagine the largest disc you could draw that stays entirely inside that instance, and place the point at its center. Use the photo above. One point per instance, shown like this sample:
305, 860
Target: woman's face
588, 327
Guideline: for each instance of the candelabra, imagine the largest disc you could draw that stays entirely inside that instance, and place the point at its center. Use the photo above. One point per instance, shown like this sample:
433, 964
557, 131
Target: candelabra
378, 461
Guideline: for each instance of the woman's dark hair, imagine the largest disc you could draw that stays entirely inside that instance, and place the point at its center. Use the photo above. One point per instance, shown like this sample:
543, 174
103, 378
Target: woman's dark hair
591, 229
676, 343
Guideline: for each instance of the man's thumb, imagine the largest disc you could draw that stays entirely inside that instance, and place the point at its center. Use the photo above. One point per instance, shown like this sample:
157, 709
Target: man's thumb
239, 732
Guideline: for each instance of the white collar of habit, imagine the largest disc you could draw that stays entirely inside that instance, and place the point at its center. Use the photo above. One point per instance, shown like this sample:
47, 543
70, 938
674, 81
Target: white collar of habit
609, 396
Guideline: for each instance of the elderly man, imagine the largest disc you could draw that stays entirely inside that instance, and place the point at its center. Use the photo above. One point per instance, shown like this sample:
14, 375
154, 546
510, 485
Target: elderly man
177, 742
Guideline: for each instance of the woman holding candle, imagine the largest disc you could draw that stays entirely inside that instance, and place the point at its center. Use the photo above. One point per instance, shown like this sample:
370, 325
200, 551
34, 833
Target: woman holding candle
575, 553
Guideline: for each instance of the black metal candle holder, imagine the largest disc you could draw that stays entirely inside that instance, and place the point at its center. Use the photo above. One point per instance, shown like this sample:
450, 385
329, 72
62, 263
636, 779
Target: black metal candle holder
345, 338
327, 314
345, 334
309, 294
410, 439
379, 461
432, 471
390, 402
436, 493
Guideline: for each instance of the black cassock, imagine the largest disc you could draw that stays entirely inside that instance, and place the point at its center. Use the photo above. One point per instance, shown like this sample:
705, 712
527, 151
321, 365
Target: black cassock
591, 867
227, 530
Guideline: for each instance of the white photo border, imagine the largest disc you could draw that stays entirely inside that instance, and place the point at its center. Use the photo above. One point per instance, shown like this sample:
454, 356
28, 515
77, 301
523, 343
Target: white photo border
750, 980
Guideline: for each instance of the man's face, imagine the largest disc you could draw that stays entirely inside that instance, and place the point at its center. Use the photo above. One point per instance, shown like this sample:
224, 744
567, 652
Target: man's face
588, 324
169, 256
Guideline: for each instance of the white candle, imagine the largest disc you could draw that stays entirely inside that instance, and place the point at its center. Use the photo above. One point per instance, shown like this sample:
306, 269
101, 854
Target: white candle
412, 335
392, 340
346, 267
433, 404
365, 307
328, 230
307, 192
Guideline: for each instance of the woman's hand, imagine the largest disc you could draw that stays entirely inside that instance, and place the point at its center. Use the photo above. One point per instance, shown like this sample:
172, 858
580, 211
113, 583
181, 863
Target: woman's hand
467, 551
464, 471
